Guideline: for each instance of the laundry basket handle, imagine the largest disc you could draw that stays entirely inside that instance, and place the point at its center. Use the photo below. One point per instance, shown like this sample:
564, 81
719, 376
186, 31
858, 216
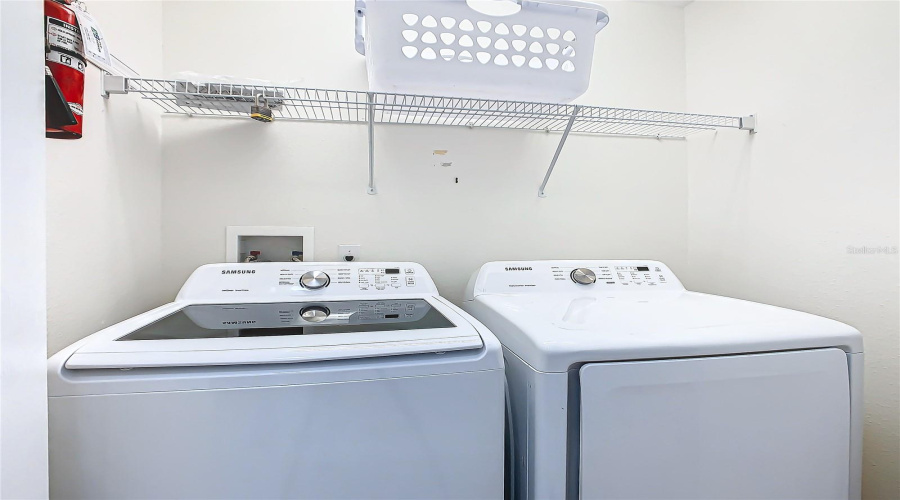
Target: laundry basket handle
359, 39
602, 14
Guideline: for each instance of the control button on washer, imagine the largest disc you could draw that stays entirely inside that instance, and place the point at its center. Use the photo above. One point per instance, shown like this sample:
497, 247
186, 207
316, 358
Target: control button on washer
314, 280
314, 314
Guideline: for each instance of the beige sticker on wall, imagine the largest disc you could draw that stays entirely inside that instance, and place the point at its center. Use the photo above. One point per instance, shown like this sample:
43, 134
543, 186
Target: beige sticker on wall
441, 158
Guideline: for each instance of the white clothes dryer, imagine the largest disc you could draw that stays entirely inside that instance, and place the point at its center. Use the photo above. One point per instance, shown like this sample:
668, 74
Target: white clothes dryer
624, 385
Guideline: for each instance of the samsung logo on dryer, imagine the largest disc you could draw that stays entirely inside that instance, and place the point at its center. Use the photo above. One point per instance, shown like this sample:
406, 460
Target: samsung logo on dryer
238, 271
518, 269
243, 322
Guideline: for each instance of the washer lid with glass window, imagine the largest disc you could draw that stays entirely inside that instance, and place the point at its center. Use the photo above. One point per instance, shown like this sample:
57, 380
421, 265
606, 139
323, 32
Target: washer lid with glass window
201, 334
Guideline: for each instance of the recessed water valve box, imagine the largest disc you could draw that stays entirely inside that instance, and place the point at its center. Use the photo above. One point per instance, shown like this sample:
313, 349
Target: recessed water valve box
273, 244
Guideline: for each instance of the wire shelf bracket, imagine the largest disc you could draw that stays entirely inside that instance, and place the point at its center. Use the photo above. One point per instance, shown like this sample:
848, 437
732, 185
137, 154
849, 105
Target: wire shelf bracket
113, 84
562, 142
370, 98
749, 123
377, 108
114, 79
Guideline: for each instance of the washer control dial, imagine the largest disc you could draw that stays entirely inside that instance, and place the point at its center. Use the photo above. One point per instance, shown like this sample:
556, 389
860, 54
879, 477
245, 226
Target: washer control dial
583, 276
314, 314
314, 280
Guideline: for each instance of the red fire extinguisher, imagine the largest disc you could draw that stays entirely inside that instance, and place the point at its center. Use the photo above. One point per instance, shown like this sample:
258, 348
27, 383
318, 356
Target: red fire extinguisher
66, 66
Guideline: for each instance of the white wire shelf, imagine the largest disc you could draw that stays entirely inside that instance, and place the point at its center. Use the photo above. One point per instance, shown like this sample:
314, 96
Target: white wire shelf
348, 106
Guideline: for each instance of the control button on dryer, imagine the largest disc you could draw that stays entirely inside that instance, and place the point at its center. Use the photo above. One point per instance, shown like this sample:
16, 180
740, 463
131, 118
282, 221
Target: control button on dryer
314, 314
314, 280
583, 276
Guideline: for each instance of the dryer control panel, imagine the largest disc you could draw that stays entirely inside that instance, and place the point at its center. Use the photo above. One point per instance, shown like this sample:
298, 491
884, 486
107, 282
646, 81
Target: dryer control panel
624, 275
274, 280
573, 276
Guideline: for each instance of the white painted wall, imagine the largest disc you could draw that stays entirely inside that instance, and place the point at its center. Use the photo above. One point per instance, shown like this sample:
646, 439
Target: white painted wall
767, 217
225, 172
23, 340
771, 216
104, 192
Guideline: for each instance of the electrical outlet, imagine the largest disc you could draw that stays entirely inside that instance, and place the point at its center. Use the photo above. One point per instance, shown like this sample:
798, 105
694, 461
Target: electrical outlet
348, 253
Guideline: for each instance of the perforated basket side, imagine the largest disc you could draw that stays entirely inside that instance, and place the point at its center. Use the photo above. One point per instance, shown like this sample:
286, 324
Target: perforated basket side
544, 52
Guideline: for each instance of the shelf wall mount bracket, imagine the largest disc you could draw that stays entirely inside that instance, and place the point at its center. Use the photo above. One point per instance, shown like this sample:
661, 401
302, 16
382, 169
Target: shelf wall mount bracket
749, 123
113, 84
562, 142
370, 98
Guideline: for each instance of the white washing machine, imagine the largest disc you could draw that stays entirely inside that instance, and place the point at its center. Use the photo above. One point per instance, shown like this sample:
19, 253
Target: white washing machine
284, 381
626, 386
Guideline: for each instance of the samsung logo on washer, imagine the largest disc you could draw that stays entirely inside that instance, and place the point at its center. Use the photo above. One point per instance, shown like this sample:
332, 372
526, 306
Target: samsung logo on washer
518, 269
238, 271
243, 322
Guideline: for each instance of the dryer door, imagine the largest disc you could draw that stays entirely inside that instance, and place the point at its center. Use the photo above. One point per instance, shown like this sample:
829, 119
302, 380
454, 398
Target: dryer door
761, 426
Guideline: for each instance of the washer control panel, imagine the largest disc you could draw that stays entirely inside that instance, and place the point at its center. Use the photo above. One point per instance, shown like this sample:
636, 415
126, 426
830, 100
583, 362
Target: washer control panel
319, 279
602, 276
395, 313
363, 278
383, 278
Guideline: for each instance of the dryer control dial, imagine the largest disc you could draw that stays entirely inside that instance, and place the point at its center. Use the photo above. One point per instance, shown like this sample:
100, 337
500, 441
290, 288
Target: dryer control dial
314, 314
583, 276
314, 280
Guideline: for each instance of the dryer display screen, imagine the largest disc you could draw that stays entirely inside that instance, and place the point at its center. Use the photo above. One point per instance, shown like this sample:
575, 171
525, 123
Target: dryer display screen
632, 269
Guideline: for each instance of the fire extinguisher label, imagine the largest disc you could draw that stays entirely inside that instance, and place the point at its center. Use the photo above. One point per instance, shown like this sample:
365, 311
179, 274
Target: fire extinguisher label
65, 36
76, 108
66, 59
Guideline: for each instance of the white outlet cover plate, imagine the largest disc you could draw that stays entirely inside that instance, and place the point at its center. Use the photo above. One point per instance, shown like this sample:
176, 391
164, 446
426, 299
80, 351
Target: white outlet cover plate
345, 250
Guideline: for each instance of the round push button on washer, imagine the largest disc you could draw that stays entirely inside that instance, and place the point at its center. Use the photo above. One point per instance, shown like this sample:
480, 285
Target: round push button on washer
314, 314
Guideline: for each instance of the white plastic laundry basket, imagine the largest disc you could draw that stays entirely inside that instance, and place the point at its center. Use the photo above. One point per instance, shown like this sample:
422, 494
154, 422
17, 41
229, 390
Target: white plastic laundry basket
543, 52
